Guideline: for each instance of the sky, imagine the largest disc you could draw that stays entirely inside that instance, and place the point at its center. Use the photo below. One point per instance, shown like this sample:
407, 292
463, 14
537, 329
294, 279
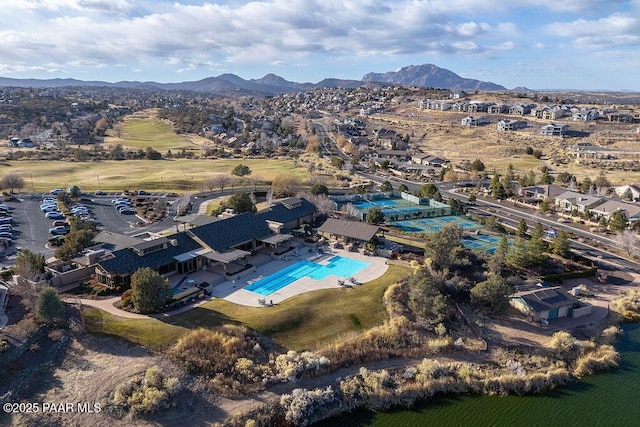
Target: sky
561, 44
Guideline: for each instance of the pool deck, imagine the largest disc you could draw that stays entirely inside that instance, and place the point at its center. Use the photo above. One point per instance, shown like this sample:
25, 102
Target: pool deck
233, 291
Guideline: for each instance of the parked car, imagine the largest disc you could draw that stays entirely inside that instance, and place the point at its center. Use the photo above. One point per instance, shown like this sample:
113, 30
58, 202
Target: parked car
56, 240
47, 199
142, 193
56, 191
99, 193
60, 223
54, 215
79, 211
6, 227
45, 206
61, 229
6, 235
127, 211
118, 199
6, 220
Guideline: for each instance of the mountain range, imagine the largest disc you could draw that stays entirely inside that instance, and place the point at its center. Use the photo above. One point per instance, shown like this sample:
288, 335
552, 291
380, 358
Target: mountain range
427, 75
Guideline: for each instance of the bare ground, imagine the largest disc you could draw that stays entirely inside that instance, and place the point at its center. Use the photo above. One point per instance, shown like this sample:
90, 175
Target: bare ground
94, 365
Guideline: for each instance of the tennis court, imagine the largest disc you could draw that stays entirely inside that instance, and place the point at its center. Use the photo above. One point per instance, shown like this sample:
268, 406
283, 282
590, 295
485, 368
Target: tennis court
433, 225
484, 243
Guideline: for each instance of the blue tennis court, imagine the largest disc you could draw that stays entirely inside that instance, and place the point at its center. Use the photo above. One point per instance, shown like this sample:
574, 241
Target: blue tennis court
337, 266
433, 225
483, 242
367, 204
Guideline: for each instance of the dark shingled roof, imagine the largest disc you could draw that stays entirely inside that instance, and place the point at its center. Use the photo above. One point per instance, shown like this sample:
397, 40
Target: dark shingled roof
222, 235
280, 213
127, 261
545, 299
352, 229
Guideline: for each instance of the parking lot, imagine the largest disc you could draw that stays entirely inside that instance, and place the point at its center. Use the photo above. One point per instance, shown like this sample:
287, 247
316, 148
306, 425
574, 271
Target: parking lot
31, 228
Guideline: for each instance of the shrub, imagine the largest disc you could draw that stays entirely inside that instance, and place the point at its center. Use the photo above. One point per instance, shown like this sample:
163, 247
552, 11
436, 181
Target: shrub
562, 342
301, 406
4, 345
602, 358
291, 365
146, 394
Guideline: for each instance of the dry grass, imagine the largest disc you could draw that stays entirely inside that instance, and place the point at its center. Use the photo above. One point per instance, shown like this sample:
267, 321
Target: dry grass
179, 175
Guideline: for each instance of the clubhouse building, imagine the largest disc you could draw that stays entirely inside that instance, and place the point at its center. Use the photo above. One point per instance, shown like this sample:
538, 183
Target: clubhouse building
220, 245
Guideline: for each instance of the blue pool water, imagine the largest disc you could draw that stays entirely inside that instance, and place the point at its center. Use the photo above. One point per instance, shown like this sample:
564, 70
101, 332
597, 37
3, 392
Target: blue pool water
337, 266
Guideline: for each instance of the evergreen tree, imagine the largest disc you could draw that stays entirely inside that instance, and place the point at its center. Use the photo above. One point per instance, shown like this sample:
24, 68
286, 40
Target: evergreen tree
618, 221
49, 306
150, 290
560, 245
522, 229
492, 293
375, 216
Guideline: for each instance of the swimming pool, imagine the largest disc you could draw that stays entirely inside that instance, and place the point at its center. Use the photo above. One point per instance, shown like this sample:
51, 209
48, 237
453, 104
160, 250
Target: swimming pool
337, 266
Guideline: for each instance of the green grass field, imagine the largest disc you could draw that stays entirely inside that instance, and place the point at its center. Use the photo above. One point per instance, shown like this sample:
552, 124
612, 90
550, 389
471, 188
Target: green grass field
149, 132
306, 321
179, 175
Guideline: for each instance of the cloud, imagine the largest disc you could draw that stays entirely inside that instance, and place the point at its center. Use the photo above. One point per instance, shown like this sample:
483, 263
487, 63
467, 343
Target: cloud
614, 30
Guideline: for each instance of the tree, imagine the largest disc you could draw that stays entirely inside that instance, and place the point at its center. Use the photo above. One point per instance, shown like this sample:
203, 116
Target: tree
560, 244
564, 178
618, 221
426, 299
222, 181
351, 211
386, 187
337, 162
627, 240
152, 154
601, 182
427, 191
444, 245
477, 166
149, 290
537, 246
544, 206
49, 306
375, 216
403, 188
240, 203
241, 170
492, 293
284, 186
522, 229
75, 192
12, 181
29, 265
319, 188
498, 259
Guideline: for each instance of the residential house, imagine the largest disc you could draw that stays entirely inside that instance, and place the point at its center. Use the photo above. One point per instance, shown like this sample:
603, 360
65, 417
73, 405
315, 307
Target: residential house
548, 303
475, 121
616, 116
498, 109
632, 211
631, 189
508, 124
585, 115
520, 110
554, 129
398, 155
547, 192
538, 112
554, 113
570, 200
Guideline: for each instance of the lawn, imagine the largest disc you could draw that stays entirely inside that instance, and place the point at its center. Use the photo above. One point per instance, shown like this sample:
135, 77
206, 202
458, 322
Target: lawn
306, 321
149, 332
149, 131
178, 175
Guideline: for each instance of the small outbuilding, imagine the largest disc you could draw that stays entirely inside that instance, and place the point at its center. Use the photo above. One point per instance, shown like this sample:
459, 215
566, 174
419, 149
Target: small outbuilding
548, 304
